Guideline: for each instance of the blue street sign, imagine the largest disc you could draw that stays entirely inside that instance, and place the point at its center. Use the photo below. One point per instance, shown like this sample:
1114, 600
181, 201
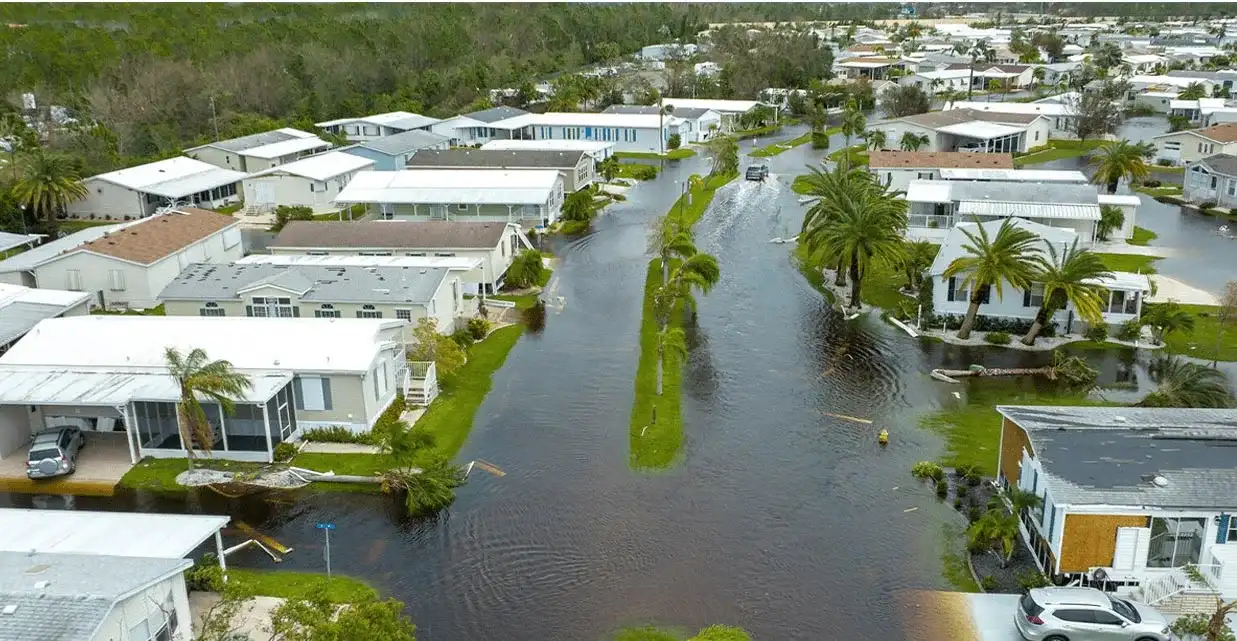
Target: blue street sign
325, 526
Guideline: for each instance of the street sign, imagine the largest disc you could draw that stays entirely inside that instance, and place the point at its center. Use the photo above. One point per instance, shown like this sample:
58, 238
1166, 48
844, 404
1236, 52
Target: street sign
325, 526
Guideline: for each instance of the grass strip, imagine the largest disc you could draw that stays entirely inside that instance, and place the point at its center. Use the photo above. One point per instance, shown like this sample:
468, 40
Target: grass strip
1129, 263
673, 154
1201, 342
159, 474
858, 155
1142, 237
288, 584
1058, 149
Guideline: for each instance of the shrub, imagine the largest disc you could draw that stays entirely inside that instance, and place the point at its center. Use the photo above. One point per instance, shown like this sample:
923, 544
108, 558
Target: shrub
285, 214
673, 142
205, 575
997, 338
644, 172
1032, 579
525, 270
973, 513
284, 452
942, 490
958, 504
1130, 330
1207, 204
1097, 332
1151, 183
962, 490
478, 328
928, 470
820, 140
463, 337
341, 434
1163, 162
987, 583
1195, 626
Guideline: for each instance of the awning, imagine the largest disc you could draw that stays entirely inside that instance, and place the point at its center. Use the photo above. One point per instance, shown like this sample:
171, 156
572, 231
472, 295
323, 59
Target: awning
980, 129
171, 536
33, 385
1029, 210
928, 191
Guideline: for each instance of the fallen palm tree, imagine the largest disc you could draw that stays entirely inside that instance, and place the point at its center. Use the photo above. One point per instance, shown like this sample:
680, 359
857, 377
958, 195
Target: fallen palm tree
1071, 371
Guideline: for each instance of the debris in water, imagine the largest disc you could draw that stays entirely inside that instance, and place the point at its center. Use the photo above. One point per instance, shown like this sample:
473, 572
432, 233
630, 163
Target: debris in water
263, 539
883, 437
489, 467
910, 509
849, 418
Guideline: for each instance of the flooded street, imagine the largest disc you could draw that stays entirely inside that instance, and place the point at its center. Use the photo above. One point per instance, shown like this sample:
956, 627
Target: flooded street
782, 514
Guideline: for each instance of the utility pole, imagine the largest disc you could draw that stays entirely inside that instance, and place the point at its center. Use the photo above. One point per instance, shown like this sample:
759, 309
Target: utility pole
214, 118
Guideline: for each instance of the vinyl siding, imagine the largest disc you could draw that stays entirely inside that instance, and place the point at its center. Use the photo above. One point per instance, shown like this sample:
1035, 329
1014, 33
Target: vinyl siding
108, 201
220, 158
145, 605
286, 189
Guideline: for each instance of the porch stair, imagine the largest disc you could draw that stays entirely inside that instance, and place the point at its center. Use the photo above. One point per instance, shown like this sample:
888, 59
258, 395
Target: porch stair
1178, 593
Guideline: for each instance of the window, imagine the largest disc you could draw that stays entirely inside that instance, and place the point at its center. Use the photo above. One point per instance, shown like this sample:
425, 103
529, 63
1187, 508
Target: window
373, 253
1033, 296
461, 207
211, 309
404, 314
326, 311
1232, 187
414, 254
1106, 618
140, 632
73, 279
444, 254
368, 311
957, 292
1175, 542
1172, 146
116, 280
312, 393
271, 307
922, 175
380, 380
1074, 616
1232, 530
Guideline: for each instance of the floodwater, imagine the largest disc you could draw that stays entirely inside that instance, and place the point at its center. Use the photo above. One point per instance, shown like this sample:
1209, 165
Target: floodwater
782, 515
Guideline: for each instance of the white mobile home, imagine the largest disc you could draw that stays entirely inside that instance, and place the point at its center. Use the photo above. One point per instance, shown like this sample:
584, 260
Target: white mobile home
599, 151
529, 196
696, 124
576, 167
21, 308
1060, 115
642, 133
140, 191
936, 206
474, 128
312, 182
377, 125
969, 130
256, 152
896, 169
61, 372
1192, 145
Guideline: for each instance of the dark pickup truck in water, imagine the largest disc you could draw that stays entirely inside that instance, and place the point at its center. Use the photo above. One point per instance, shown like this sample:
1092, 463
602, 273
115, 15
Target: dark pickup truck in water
757, 172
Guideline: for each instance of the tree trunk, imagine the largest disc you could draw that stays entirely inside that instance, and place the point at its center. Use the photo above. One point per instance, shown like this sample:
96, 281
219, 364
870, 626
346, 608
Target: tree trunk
1041, 319
1112, 186
855, 282
839, 274
661, 357
972, 311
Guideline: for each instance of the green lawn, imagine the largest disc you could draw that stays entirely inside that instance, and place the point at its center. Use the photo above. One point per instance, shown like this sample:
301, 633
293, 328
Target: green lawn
628, 170
1201, 343
526, 300
1159, 192
800, 186
160, 474
287, 584
1058, 149
858, 155
347, 464
1142, 236
73, 225
655, 445
972, 429
879, 289
1129, 263
768, 130
786, 145
673, 154
449, 418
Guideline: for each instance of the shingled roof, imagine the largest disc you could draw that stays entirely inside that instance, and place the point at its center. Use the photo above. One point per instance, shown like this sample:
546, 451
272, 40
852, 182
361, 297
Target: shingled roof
390, 234
939, 160
150, 239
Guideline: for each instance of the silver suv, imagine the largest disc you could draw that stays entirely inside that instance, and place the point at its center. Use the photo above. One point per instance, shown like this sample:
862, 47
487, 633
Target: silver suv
1087, 614
53, 452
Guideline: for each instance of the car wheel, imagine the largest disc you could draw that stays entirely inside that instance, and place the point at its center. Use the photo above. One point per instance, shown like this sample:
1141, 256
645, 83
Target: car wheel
1055, 637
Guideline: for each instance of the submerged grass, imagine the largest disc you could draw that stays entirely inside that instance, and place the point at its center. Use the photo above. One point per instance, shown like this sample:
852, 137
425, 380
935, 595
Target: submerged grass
287, 584
1057, 150
673, 154
1142, 236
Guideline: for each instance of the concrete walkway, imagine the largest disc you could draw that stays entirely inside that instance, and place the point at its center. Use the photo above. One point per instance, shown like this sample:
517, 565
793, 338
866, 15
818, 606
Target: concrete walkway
1121, 247
1172, 289
340, 448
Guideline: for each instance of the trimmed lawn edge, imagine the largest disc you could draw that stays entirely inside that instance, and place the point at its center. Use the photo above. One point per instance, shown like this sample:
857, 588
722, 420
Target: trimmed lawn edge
673, 154
291, 584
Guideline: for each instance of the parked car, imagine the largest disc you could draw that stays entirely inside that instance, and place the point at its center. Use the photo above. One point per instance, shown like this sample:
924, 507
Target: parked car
53, 452
1083, 614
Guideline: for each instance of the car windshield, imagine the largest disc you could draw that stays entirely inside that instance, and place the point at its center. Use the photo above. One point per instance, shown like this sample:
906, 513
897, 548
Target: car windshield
39, 455
1030, 606
1125, 609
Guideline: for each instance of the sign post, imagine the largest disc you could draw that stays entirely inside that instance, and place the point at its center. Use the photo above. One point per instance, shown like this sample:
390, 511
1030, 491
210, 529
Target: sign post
326, 528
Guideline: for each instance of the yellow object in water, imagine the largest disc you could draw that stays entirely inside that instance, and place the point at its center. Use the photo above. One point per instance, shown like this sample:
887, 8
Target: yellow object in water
883, 437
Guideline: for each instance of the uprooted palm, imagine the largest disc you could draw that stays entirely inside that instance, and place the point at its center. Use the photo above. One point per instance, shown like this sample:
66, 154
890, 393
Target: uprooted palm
1185, 384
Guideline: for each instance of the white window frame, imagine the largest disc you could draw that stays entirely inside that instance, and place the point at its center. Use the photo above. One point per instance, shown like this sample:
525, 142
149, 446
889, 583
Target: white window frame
404, 314
263, 307
327, 310
369, 311
211, 309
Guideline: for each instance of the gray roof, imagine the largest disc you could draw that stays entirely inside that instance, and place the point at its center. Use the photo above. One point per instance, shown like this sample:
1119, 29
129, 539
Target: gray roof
1227, 74
1112, 455
390, 234
1221, 164
30, 258
936, 119
80, 591
689, 113
1023, 192
494, 114
16, 319
252, 140
9, 241
403, 143
498, 158
312, 283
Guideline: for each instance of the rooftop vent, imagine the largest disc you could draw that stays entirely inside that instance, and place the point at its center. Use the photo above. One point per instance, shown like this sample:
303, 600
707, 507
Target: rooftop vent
1159, 481
9, 609
41, 585
1118, 419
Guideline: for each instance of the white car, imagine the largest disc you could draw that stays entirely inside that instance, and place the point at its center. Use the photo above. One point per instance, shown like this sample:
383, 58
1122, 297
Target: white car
1087, 614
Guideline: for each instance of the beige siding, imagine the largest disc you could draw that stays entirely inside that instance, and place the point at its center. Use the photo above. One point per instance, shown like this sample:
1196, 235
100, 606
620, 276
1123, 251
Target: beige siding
107, 201
347, 400
272, 190
146, 606
220, 158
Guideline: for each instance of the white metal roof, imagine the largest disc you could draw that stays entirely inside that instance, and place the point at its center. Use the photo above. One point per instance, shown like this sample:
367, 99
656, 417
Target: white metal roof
321, 166
9, 241
464, 263
944, 74
1015, 175
463, 186
397, 119
1125, 281
1201, 103
928, 191
954, 244
720, 106
1044, 108
1138, 59
283, 148
1119, 199
582, 119
980, 129
132, 534
593, 148
1175, 81
172, 178
10, 294
31, 258
39, 385
1029, 210
135, 342
23, 307
867, 64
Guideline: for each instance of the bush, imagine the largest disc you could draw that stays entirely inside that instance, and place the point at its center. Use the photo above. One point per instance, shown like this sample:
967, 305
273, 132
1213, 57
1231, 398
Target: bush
341, 434
285, 214
1207, 204
1163, 162
1130, 330
526, 270
962, 490
644, 172
478, 328
673, 142
997, 338
958, 504
942, 490
987, 583
1151, 183
1032, 579
205, 575
1097, 332
284, 452
1195, 626
973, 513
928, 470
463, 337
820, 140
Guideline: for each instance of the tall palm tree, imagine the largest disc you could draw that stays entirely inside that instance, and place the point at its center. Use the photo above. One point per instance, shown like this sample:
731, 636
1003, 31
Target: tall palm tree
912, 141
1166, 318
826, 191
917, 256
979, 51
853, 123
669, 242
200, 378
1117, 160
1192, 91
672, 341
1069, 277
1186, 384
875, 139
699, 272
991, 262
47, 184
865, 228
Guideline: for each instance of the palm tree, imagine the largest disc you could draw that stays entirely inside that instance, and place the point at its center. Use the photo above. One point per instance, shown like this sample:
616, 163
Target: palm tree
912, 141
991, 263
864, 228
669, 242
1069, 278
670, 340
825, 190
699, 272
917, 256
1186, 384
979, 51
1166, 318
1117, 160
875, 139
853, 123
662, 111
995, 527
428, 489
1111, 217
725, 156
48, 183
200, 378
1192, 91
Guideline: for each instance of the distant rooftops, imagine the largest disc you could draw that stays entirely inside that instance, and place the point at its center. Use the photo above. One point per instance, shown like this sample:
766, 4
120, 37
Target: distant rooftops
940, 119
321, 167
404, 120
494, 114
404, 142
455, 186
148, 240
938, 160
688, 113
172, 178
270, 144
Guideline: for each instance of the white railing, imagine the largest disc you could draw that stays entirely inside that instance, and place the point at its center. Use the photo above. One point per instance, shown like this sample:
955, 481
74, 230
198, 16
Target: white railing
1176, 581
420, 383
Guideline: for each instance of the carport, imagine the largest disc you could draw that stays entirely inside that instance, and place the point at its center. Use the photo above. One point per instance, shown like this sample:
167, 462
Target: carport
170, 536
